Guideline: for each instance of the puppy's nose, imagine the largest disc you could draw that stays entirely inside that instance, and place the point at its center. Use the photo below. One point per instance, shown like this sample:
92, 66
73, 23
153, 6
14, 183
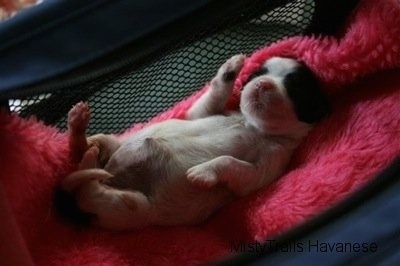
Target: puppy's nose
266, 85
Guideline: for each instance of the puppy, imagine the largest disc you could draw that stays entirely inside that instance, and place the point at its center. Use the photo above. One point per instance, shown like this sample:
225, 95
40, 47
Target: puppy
179, 172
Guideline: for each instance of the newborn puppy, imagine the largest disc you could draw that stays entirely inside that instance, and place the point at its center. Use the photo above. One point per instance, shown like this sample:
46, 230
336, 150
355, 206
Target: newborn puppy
181, 171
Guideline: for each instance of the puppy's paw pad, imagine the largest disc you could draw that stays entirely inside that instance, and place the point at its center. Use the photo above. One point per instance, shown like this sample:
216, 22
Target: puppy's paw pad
78, 117
231, 68
204, 178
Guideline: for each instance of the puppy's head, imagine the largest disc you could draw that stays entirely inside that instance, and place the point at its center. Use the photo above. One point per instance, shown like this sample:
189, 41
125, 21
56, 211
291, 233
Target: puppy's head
283, 96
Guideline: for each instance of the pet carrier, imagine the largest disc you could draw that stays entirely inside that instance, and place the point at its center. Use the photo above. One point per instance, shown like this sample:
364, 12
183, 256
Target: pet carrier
140, 62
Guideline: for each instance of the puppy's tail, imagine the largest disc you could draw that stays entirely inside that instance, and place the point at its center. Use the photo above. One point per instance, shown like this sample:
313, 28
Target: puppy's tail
66, 193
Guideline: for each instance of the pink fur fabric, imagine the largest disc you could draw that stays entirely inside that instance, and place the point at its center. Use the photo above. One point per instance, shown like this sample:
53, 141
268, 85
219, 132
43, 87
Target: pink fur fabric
360, 70
9, 8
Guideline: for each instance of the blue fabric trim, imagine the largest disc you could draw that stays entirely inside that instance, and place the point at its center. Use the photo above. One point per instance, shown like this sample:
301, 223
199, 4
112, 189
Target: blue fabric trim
60, 35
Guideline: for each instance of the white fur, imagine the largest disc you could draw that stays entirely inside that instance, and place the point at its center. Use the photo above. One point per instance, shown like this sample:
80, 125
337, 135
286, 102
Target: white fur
187, 169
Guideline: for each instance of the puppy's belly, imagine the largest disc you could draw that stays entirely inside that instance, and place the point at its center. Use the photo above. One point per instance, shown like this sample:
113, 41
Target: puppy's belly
155, 162
173, 198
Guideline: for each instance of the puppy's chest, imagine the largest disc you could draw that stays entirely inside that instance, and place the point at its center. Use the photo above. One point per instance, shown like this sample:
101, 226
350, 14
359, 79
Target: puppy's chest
211, 138
235, 141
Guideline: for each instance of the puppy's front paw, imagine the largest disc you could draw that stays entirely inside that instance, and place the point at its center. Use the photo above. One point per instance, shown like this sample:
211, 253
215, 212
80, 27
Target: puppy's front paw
230, 69
204, 177
78, 117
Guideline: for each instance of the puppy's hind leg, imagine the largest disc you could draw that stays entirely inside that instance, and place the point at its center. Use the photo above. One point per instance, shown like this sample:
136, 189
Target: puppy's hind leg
123, 209
101, 204
107, 145
78, 120
214, 99
65, 195
112, 208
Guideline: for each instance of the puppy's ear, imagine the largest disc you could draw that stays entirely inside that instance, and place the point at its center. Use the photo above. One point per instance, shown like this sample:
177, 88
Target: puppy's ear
310, 104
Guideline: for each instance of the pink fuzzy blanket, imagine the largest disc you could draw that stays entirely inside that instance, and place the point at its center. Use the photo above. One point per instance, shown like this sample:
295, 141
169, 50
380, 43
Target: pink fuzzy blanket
360, 70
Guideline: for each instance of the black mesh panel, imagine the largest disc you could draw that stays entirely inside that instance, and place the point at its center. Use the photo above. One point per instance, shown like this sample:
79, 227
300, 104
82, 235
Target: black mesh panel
137, 94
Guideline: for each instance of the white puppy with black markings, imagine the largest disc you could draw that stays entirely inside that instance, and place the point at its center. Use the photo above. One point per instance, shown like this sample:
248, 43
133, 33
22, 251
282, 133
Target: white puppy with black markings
179, 172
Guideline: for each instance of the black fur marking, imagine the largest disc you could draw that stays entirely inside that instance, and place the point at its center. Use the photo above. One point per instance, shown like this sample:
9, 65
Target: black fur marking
260, 72
229, 76
310, 104
66, 206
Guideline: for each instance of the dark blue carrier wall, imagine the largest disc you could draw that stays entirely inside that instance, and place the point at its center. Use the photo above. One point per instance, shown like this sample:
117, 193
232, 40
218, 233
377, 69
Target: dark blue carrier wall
58, 36
46, 42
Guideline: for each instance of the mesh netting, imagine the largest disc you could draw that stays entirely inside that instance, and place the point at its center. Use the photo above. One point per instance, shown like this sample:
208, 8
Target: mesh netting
135, 95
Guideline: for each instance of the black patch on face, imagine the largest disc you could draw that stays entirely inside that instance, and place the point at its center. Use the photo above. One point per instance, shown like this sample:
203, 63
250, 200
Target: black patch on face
310, 104
260, 72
